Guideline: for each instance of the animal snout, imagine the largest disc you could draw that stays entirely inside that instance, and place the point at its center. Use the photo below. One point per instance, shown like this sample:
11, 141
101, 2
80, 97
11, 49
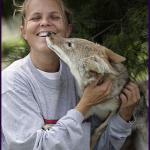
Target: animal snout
50, 34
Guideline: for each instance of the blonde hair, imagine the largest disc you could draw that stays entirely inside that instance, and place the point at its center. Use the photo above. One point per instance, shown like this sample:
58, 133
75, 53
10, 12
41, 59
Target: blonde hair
66, 13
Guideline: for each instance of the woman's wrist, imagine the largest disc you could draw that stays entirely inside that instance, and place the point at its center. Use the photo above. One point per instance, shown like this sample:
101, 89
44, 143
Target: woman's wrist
126, 114
82, 108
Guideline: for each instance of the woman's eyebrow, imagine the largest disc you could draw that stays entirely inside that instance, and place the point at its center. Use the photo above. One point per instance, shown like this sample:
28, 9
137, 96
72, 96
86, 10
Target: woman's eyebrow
35, 14
55, 12
39, 13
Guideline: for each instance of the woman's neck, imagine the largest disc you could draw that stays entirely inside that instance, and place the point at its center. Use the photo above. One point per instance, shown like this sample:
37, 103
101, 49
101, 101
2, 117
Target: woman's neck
45, 62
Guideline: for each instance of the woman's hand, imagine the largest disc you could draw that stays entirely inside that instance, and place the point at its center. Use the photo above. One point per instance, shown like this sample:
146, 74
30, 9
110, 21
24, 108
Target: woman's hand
94, 94
129, 97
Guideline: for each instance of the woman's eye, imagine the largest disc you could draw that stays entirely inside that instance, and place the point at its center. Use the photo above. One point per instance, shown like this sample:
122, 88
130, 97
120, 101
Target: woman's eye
55, 17
35, 18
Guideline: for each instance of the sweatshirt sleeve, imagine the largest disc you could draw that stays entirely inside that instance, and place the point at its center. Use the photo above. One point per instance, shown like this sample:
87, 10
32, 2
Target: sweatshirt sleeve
115, 134
22, 123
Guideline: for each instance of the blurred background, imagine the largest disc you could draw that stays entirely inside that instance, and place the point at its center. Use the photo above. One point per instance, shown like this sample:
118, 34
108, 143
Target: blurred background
121, 25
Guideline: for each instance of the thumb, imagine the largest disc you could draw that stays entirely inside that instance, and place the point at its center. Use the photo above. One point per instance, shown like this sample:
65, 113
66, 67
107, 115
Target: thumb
124, 100
98, 81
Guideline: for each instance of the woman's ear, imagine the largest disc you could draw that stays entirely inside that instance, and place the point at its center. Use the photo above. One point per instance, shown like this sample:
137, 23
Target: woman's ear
114, 57
23, 32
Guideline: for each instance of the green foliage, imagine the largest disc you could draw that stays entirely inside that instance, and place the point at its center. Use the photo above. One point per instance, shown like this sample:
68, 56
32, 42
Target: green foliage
120, 25
8, 8
12, 51
131, 42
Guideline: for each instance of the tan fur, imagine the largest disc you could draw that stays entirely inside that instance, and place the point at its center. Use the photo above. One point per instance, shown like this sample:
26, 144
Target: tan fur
84, 57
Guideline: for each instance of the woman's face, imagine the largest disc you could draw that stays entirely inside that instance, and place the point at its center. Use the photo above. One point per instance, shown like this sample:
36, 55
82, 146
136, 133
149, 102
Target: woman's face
43, 16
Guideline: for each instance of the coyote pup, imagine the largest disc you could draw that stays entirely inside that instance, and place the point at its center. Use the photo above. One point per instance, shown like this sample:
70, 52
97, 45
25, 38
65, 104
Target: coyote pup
87, 61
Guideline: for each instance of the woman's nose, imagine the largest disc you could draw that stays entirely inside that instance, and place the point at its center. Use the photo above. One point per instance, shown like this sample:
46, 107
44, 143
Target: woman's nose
45, 22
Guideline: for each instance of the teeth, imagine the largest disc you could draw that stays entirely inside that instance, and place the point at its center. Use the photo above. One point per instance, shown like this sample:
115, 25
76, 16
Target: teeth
43, 34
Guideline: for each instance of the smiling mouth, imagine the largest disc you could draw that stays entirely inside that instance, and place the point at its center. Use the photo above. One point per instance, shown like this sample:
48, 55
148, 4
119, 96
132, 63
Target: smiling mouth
45, 34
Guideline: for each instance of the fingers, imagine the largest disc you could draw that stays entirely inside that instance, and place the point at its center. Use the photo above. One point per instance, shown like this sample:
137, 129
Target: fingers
125, 102
105, 86
98, 93
134, 89
123, 98
130, 95
100, 82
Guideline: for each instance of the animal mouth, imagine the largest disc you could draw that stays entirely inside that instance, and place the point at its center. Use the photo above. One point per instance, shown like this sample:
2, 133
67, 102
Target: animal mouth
51, 45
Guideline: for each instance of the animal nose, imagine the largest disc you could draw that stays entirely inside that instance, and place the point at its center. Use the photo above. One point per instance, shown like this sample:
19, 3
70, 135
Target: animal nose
51, 34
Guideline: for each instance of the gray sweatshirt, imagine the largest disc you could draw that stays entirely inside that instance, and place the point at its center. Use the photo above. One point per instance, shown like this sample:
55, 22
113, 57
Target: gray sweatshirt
28, 97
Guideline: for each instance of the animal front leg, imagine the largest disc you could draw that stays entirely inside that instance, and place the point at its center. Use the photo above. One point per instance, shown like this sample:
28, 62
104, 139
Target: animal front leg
98, 131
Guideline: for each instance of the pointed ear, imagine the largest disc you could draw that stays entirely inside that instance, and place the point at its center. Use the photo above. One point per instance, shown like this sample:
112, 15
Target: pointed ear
23, 33
114, 57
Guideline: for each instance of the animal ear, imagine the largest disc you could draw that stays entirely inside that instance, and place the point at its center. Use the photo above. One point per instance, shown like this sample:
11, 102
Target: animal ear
114, 57
98, 65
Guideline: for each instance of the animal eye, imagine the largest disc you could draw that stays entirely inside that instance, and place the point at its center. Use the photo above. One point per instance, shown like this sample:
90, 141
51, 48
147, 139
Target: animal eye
69, 44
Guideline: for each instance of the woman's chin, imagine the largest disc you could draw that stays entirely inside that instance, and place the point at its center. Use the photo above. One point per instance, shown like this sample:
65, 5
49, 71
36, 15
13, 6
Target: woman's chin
42, 48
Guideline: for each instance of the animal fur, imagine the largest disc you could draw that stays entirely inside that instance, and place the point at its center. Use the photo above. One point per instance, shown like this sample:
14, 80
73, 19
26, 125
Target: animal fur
138, 140
87, 61
84, 57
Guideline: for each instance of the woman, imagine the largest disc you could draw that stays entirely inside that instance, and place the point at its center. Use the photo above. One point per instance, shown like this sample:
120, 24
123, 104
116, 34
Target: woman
40, 89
